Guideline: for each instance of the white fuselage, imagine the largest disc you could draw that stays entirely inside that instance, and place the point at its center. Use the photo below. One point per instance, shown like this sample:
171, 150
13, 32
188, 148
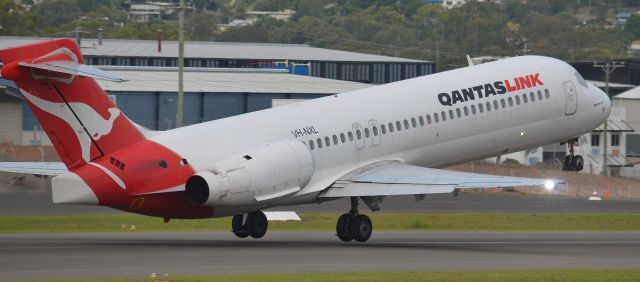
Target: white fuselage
570, 109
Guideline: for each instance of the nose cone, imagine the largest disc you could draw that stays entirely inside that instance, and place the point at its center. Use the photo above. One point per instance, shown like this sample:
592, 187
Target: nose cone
606, 101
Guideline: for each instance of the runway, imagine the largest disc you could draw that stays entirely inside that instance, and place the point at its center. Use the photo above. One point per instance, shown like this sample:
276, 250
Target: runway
87, 255
39, 203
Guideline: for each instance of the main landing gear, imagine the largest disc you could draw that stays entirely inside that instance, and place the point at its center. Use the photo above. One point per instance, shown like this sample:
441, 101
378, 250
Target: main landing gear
353, 225
253, 224
572, 162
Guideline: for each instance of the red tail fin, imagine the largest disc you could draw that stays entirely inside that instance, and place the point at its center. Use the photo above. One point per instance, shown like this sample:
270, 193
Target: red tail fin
79, 118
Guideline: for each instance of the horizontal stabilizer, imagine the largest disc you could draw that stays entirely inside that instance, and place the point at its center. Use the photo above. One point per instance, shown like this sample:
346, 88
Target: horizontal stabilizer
69, 67
36, 168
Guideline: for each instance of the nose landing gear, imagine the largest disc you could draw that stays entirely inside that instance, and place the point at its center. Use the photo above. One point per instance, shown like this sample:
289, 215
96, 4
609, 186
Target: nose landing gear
572, 162
353, 225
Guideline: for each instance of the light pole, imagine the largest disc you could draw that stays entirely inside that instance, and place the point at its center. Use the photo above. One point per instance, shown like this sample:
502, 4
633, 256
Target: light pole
179, 111
608, 68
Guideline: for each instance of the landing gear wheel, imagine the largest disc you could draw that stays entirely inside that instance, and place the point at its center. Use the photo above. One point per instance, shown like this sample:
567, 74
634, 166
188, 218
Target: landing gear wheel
258, 224
239, 229
568, 160
361, 228
342, 228
577, 163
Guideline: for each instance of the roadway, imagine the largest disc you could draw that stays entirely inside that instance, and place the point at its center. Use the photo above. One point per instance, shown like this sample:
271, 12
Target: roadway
90, 255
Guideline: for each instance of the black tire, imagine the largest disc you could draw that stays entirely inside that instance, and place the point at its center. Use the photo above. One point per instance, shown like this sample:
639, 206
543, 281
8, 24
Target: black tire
342, 228
257, 224
577, 163
361, 228
568, 163
238, 228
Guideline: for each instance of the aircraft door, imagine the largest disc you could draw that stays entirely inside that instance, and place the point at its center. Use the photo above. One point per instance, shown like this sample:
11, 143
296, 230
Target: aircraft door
572, 98
358, 135
376, 135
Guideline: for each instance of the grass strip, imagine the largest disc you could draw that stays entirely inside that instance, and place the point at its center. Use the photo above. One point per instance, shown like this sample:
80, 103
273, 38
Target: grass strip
502, 275
327, 221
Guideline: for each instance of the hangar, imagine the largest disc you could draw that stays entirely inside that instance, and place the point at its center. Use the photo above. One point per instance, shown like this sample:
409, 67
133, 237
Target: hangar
149, 98
300, 58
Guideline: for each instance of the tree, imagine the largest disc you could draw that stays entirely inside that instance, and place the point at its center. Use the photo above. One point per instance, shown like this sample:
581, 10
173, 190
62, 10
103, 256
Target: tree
201, 26
51, 14
15, 20
632, 27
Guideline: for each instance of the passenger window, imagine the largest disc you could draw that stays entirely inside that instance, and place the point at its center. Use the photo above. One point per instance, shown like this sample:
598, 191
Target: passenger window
533, 97
406, 124
495, 105
473, 109
342, 138
335, 140
480, 108
428, 119
366, 132
517, 99
459, 112
391, 127
510, 100
488, 106
311, 144
319, 143
443, 115
375, 130
450, 114
327, 141
413, 122
435, 117
539, 95
383, 128
350, 134
546, 93
466, 111
398, 125
358, 134
504, 104
524, 98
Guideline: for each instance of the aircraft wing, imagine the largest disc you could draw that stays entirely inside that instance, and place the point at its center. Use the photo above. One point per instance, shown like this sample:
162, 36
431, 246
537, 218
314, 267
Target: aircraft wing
394, 178
37, 168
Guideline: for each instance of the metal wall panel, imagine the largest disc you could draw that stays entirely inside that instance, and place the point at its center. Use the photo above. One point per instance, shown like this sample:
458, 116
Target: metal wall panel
256, 102
140, 107
222, 105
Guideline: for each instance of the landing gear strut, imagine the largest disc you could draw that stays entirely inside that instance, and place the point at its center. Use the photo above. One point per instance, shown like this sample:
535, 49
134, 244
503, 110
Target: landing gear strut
572, 162
353, 225
253, 224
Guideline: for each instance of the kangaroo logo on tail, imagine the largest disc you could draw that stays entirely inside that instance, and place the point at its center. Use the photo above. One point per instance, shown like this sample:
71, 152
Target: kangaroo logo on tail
93, 121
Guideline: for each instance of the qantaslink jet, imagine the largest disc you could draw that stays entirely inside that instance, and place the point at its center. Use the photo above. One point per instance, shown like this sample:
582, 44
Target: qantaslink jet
391, 139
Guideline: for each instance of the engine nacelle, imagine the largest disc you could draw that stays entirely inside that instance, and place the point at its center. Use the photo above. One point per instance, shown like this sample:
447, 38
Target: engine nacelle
269, 172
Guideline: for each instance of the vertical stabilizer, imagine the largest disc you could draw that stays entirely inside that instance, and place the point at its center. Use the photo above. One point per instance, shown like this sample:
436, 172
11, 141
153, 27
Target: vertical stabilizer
81, 121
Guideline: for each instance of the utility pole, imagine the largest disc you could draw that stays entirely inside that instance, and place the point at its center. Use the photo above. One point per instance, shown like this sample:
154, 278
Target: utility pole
180, 111
608, 68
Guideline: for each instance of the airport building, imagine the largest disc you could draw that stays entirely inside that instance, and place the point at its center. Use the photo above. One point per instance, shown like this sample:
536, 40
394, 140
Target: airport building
149, 97
299, 58
221, 80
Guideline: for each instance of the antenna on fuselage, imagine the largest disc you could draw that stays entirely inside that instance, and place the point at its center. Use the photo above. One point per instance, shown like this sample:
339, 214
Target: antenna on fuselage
470, 61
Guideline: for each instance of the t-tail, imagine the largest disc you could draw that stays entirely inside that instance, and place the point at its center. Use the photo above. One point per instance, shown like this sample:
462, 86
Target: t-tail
81, 121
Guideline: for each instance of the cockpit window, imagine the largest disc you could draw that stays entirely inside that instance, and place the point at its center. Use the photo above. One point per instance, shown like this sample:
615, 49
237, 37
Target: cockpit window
581, 80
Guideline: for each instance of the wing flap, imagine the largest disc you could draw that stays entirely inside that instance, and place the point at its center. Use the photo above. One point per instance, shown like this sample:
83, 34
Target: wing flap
393, 178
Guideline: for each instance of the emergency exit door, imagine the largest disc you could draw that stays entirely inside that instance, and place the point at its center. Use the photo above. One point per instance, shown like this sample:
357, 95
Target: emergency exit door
572, 98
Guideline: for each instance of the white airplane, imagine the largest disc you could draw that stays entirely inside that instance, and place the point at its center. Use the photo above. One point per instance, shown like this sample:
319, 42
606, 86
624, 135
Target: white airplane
365, 144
